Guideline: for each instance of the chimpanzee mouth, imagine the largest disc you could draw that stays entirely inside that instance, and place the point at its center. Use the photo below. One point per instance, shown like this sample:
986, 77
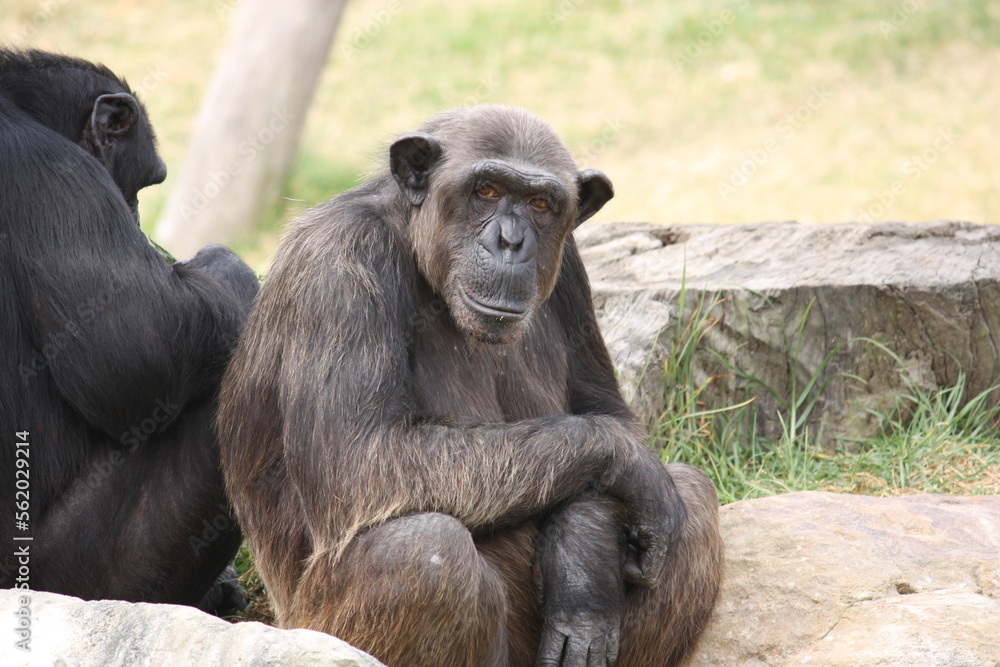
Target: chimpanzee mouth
505, 314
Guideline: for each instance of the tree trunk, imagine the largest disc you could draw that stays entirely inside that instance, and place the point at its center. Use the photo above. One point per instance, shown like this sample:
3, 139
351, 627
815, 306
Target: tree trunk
248, 129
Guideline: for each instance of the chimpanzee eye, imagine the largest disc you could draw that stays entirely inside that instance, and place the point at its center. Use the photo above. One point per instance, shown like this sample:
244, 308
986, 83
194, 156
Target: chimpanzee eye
540, 204
488, 191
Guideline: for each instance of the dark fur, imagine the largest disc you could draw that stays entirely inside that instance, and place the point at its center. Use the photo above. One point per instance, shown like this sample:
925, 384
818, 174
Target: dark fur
101, 336
444, 487
91, 106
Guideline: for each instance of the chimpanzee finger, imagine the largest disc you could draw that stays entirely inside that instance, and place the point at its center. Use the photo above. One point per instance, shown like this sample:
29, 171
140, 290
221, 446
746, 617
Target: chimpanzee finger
550, 648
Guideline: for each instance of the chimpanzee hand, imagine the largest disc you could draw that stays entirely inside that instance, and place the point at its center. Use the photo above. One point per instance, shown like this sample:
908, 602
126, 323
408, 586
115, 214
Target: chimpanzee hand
655, 516
579, 583
226, 268
226, 597
587, 640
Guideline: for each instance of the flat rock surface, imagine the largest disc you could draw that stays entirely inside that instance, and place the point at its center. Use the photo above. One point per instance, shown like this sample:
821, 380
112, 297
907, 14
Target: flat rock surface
108, 633
855, 581
788, 254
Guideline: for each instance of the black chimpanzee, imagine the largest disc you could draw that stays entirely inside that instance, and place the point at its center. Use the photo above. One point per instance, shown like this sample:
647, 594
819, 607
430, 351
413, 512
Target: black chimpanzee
111, 356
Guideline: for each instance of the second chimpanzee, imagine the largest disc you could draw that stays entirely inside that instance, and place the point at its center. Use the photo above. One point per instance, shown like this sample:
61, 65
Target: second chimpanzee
112, 357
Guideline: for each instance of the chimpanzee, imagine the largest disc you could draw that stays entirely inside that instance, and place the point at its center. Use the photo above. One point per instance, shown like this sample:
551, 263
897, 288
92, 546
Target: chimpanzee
112, 357
421, 431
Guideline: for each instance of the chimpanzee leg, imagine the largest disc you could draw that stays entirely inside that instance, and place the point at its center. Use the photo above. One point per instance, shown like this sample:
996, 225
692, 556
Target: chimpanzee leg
658, 626
146, 522
412, 592
662, 625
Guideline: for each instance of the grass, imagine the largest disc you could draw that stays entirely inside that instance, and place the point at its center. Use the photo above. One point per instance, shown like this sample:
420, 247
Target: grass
932, 441
258, 602
937, 452
867, 87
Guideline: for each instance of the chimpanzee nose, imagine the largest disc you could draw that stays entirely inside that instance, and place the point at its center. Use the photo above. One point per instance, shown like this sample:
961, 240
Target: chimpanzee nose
509, 239
511, 235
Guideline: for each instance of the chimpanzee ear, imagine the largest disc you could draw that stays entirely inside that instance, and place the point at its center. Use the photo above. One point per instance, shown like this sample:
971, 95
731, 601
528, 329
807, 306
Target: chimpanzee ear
594, 189
411, 159
113, 116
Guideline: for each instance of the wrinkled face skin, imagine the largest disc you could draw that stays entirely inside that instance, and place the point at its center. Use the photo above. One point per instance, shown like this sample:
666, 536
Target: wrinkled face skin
489, 230
514, 221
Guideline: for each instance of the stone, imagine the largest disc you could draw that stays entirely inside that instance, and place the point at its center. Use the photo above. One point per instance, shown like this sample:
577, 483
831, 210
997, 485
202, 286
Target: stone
797, 301
69, 631
816, 578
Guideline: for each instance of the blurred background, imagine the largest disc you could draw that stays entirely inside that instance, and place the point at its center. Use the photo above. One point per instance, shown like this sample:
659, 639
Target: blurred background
718, 111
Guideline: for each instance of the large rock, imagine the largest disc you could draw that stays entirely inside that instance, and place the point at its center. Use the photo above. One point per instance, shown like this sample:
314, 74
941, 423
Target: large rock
68, 631
929, 292
811, 578
852, 581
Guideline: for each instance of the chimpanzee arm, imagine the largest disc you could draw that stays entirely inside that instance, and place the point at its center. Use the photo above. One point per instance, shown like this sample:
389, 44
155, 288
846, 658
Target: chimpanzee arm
589, 548
580, 551
594, 390
121, 334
